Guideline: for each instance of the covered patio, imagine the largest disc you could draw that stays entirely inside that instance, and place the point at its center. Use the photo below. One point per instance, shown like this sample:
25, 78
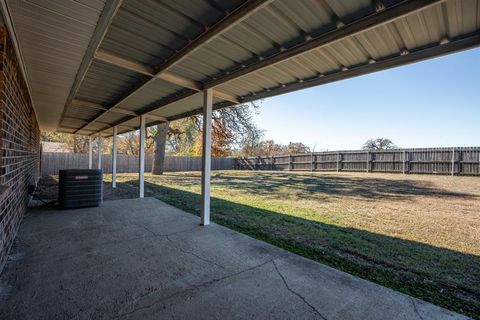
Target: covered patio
115, 66
144, 259
105, 67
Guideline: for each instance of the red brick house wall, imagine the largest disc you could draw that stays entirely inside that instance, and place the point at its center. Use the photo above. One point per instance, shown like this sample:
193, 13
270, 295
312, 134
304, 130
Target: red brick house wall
19, 144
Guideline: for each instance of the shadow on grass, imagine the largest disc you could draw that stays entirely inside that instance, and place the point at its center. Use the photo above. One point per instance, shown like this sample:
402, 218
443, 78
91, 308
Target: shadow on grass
444, 277
321, 187
314, 186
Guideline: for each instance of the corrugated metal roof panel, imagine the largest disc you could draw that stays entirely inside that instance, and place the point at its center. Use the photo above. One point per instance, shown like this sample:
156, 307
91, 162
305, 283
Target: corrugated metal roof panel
413, 31
53, 36
105, 82
280, 23
82, 113
307, 15
191, 103
134, 46
154, 91
111, 117
148, 33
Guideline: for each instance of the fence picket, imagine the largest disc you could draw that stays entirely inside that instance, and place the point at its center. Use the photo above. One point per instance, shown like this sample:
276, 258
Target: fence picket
52, 162
452, 161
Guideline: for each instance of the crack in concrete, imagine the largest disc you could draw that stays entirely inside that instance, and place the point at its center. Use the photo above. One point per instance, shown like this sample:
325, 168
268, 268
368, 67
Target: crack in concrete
167, 236
193, 254
412, 300
194, 287
296, 293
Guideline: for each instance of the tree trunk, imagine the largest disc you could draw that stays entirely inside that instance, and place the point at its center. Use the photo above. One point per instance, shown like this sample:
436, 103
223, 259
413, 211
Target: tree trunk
160, 142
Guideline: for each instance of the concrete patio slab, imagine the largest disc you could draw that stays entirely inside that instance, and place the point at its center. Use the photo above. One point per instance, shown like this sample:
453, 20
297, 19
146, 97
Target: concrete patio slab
144, 259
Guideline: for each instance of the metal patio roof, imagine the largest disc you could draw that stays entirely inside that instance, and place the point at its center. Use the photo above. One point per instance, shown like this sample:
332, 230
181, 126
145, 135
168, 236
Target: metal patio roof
95, 64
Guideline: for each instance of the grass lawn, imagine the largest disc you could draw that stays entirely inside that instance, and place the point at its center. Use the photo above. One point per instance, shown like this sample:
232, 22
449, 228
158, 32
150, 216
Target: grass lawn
414, 233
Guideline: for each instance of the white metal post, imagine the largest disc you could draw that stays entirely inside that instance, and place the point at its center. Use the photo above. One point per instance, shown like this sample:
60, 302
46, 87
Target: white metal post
90, 153
141, 153
114, 157
206, 155
99, 144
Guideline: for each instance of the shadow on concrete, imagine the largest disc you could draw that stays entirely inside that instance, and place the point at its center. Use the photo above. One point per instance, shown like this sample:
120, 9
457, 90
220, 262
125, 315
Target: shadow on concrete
444, 277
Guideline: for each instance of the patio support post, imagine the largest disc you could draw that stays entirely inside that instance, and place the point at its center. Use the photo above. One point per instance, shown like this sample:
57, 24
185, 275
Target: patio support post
141, 153
99, 144
90, 153
114, 157
206, 155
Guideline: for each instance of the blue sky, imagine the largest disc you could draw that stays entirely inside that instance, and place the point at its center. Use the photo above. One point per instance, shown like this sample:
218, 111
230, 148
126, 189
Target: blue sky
433, 103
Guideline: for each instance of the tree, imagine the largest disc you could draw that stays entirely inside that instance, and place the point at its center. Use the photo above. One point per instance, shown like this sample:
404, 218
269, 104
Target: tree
231, 128
257, 147
269, 148
297, 148
221, 140
182, 136
379, 144
78, 143
251, 144
129, 143
160, 138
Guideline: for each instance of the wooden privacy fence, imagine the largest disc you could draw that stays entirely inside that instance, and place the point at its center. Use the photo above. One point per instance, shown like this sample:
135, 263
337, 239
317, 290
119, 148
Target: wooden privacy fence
54, 161
452, 161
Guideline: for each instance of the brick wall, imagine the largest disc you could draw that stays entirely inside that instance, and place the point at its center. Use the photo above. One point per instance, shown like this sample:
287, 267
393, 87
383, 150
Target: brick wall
19, 143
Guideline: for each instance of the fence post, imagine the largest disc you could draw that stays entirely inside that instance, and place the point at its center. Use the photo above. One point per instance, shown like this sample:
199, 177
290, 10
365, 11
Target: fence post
338, 161
290, 164
312, 162
368, 161
453, 161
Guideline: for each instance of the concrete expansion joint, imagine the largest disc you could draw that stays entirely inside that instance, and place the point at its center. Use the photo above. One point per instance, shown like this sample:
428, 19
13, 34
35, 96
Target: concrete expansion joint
296, 293
194, 287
